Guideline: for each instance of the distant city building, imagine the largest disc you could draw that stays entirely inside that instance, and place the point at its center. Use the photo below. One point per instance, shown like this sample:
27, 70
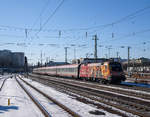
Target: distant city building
18, 59
5, 58
138, 61
137, 65
11, 59
142, 60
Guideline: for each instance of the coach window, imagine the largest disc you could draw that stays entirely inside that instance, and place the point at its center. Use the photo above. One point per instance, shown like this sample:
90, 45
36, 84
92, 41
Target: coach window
75, 70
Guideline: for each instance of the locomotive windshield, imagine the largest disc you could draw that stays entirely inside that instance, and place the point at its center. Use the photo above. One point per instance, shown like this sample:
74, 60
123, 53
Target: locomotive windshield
115, 66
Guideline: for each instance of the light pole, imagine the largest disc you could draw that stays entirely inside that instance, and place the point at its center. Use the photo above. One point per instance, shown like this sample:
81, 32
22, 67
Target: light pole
95, 50
109, 48
66, 54
128, 59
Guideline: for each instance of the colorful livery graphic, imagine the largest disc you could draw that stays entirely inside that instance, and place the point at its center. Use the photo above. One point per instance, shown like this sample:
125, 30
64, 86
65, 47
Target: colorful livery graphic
107, 72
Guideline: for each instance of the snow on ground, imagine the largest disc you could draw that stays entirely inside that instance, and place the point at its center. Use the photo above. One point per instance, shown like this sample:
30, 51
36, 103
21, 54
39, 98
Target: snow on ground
52, 108
4, 76
78, 107
113, 87
20, 103
131, 90
119, 93
1, 81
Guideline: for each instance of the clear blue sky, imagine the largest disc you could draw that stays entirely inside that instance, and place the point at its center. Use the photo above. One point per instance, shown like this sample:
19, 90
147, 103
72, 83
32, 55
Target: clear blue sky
89, 15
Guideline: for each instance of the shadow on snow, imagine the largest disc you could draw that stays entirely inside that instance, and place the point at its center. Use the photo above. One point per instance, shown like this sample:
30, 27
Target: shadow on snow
7, 108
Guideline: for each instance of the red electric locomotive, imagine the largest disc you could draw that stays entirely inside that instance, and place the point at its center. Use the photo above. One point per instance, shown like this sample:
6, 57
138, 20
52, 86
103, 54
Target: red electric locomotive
107, 72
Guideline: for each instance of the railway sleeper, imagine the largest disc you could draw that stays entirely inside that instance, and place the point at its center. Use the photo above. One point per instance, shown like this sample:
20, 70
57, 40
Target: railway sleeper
108, 102
113, 99
121, 101
136, 107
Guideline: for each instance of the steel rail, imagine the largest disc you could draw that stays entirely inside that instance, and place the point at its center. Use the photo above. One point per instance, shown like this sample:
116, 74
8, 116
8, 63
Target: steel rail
74, 114
131, 92
107, 99
3, 84
96, 85
99, 90
42, 109
108, 96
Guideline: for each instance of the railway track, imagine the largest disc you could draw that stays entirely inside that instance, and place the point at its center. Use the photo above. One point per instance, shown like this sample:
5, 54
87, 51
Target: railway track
69, 111
3, 82
128, 92
41, 108
130, 104
123, 86
143, 93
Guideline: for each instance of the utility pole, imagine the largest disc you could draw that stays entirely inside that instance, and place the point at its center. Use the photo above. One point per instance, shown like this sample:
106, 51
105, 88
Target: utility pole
95, 51
128, 59
117, 55
74, 53
66, 54
41, 58
106, 56
109, 51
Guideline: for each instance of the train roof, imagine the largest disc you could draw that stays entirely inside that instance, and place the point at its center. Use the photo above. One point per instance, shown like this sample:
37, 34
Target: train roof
60, 66
101, 63
75, 65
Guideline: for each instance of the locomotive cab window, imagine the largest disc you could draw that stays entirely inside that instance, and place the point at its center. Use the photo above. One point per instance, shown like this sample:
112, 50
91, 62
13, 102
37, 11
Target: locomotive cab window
114, 66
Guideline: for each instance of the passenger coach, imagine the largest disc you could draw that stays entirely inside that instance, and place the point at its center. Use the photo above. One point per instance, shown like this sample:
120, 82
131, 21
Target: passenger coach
107, 72
62, 71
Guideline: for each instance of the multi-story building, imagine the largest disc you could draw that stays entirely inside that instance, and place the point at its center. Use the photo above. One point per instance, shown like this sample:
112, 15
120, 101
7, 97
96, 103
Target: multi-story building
11, 59
18, 59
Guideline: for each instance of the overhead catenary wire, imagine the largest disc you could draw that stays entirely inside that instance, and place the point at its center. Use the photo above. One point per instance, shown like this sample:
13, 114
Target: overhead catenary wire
128, 35
55, 45
130, 16
57, 8
121, 20
133, 33
41, 13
